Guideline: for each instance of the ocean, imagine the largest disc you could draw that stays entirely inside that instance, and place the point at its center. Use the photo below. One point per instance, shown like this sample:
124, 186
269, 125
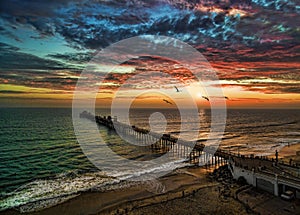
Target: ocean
42, 164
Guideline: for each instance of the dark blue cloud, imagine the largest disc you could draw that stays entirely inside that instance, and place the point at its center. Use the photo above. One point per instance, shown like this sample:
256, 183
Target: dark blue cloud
11, 58
95, 24
35, 8
287, 6
78, 58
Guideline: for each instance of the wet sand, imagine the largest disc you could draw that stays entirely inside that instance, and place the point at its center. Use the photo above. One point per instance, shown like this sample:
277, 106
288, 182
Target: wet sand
183, 191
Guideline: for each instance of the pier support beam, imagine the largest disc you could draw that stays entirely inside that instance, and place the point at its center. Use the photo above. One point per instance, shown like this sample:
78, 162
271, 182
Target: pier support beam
276, 192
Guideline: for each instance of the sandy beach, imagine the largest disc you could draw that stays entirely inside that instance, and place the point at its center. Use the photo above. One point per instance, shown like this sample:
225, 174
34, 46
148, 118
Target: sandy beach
191, 184
189, 190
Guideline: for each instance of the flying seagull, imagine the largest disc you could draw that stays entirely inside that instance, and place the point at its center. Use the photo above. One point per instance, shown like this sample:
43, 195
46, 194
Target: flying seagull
205, 98
165, 100
177, 90
225, 97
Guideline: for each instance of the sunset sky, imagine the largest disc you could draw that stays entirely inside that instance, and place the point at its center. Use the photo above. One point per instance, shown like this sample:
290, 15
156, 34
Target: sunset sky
253, 45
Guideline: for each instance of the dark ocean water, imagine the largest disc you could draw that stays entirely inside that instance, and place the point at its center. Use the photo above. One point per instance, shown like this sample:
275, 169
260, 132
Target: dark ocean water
40, 159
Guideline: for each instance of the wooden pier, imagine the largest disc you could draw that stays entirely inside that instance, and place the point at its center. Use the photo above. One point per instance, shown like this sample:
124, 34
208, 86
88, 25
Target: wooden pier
195, 153
262, 172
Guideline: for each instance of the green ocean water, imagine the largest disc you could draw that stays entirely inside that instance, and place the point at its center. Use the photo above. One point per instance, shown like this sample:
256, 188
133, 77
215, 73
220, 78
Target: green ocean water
41, 159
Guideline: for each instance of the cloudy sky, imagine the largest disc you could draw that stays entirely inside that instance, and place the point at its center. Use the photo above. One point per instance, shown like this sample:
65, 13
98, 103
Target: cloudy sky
253, 45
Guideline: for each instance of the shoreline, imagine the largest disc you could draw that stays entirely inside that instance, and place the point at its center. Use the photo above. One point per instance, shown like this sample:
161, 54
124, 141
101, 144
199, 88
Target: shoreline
178, 184
187, 190
185, 180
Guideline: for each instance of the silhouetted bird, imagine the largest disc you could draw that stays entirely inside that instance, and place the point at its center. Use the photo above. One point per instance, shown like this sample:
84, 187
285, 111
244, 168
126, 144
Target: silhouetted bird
177, 90
165, 100
205, 98
225, 97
